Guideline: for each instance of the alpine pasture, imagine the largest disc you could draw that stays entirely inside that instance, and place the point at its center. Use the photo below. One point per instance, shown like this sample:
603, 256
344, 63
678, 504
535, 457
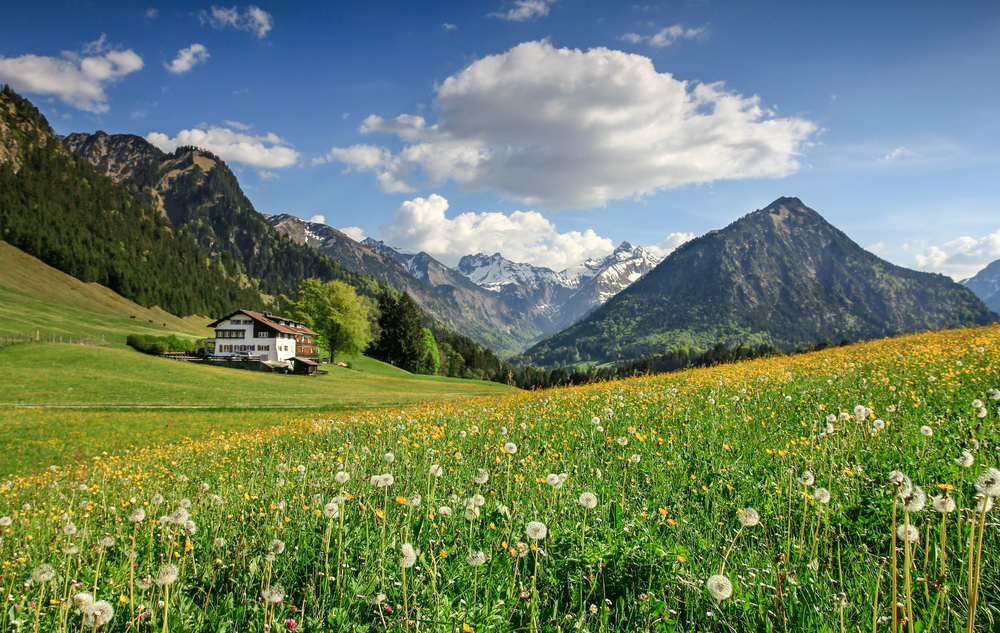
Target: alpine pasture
849, 489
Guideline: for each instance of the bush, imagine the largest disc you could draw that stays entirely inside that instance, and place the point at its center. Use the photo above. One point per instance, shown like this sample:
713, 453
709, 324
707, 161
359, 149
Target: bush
159, 345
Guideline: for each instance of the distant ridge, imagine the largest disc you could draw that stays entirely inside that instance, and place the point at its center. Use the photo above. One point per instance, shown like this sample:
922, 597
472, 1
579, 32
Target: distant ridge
781, 275
986, 285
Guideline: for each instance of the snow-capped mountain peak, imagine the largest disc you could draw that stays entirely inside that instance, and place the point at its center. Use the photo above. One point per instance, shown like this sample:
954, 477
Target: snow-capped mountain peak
494, 272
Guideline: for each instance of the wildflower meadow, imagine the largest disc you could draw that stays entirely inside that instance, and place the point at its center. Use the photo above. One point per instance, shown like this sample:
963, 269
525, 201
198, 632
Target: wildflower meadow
844, 490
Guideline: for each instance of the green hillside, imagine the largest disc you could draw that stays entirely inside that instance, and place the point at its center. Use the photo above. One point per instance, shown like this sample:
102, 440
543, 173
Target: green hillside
38, 298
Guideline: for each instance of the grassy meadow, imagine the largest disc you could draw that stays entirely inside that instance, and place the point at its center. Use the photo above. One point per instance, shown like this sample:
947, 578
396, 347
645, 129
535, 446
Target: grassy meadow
751, 497
38, 298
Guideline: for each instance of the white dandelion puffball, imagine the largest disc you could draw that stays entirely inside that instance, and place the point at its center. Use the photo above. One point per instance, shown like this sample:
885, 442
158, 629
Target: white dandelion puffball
536, 530
482, 476
860, 412
807, 478
914, 501
635, 459
444, 511
966, 460
413, 501
901, 482
926, 431
510, 448
476, 559
552, 479
595, 420
389, 457
137, 516
275, 594
977, 404
983, 503
407, 556
277, 546
748, 517
167, 575
5, 522
42, 574
720, 587
342, 477
943, 504
832, 417
878, 424
97, 613
388, 480
989, 483
331, 510
908, 533
436, 470
822, 495
588, 500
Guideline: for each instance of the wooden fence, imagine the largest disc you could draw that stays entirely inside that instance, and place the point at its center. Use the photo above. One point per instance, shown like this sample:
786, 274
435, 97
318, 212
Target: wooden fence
38, 336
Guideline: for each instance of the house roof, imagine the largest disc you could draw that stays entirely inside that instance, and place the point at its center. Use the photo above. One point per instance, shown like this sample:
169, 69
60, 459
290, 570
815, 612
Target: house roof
271, 321
305, 361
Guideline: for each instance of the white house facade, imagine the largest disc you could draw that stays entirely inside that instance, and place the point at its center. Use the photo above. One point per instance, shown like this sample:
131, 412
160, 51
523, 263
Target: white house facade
261, 335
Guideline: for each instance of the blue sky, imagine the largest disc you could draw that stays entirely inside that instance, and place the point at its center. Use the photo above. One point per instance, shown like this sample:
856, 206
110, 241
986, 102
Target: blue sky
553, 131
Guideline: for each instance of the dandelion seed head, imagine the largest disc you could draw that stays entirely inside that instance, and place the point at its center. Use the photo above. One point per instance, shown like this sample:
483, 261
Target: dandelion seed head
510, 448
588, 500
156, 499
407, 556
989, 482
331, 510
878, 424
822, 495
926, 431
275, 594
413, 501
444, 511
342, 477
552, 479
390, 458
107, 541
476, 559
137, 516
42, 574
749, 517
908, 533
914, 501
69, 529
943, 504
807, 478
482, 476
536, 530
966, 460
5, 522
167, 575
436, 470
719, 587
901, 483
97, 613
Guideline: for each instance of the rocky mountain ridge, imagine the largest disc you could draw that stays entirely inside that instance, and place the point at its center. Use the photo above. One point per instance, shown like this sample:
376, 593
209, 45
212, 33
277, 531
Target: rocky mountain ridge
781, 275
986, 285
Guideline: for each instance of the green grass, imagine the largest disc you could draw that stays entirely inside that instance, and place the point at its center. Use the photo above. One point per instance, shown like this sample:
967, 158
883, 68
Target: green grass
675, 463
48, 374
35, 297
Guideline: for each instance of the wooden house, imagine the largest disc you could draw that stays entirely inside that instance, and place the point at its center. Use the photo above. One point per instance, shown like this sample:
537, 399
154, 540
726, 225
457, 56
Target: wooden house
261, 336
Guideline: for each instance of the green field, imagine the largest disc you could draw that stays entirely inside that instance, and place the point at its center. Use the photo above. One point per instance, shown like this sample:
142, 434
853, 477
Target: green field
758, 496
107, 388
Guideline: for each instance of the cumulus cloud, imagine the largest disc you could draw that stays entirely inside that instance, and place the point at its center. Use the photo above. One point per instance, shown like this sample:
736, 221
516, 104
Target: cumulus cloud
353, 232
187, 58
76, 79
876, 247
670, 244
665, 37
254, 20
448, 27
321, 219
523, 236
563, 128
266, 152
243, 127
152, 14
960, 258
524, 10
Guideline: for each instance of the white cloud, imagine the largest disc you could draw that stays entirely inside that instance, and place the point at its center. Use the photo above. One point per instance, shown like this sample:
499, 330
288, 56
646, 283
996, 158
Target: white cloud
876, 247
896, 153
268, 151
665, 37
152, 14
243, 127
562, 128
670, 244
139, 114
254, 20
266, 175
448, 27
79, 81
354, 233
187, 58
960, 258
318, 218
524, 10
523, 236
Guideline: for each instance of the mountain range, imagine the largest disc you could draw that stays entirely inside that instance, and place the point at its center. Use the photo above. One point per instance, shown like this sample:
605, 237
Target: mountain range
986, 285
781, 276
503, 304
